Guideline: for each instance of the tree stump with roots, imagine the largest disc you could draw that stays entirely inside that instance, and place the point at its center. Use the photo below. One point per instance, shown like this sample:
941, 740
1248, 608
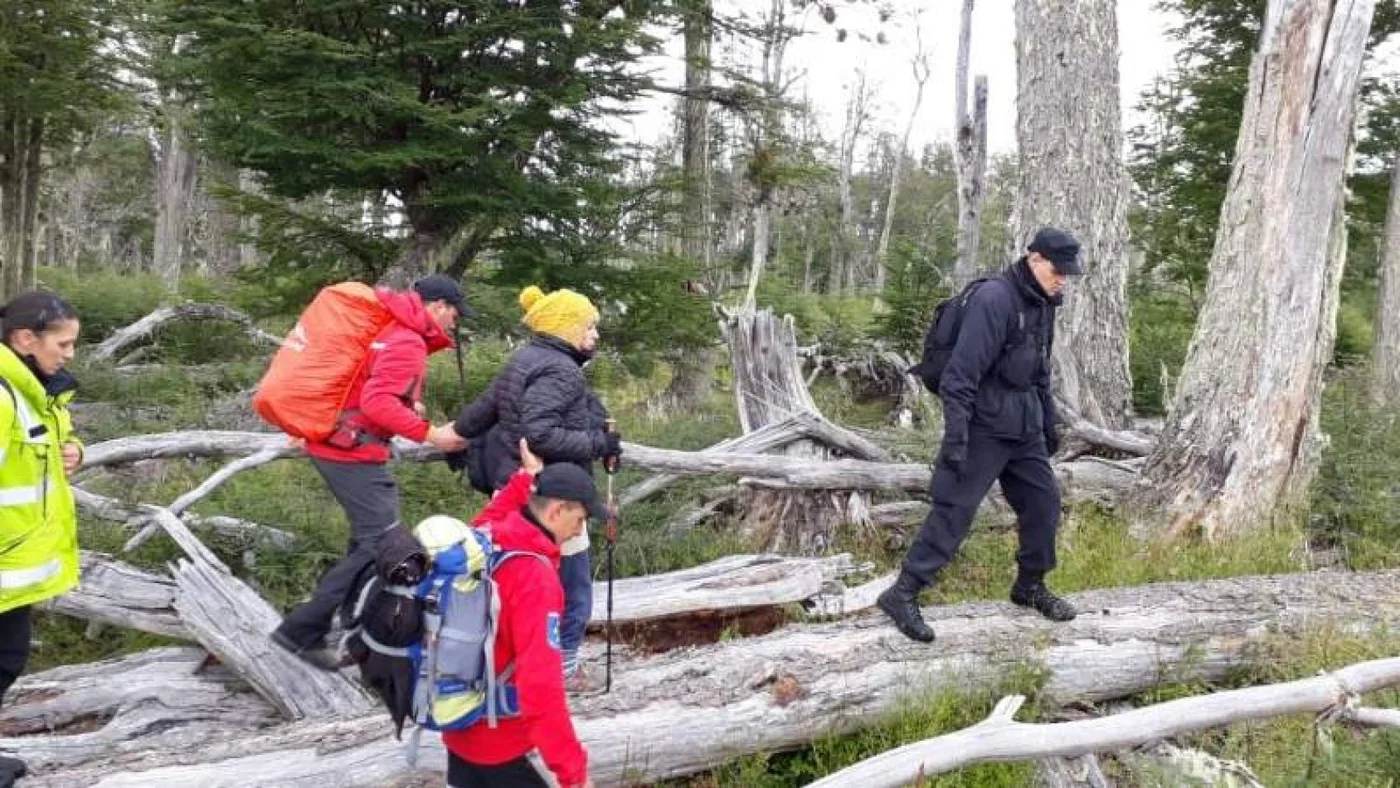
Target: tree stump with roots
768, 388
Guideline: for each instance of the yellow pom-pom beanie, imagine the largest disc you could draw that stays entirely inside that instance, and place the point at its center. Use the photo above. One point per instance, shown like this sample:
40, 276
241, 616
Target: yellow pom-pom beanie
562, 313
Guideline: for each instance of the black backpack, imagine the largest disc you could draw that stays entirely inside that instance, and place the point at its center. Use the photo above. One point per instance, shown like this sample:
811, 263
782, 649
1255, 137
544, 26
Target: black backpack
943, 333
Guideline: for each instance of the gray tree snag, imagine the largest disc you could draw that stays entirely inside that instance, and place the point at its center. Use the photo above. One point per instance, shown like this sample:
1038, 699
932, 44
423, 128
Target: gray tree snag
1385, 354
1241, 445
1070, 136
764, 139
969, 154
844, 264
176, 168
693, 369
920, 66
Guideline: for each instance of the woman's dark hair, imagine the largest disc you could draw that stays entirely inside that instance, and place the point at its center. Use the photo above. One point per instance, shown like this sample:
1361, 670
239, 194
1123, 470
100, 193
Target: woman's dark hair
36, 310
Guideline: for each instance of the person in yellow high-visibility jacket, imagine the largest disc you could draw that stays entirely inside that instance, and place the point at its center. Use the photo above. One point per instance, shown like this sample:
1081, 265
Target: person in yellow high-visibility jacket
38, 450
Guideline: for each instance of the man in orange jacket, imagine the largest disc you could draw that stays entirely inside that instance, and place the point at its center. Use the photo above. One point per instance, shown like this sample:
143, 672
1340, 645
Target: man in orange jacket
385, 402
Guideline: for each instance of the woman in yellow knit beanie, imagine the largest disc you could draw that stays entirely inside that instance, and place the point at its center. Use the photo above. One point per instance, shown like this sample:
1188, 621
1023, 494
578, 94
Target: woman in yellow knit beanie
542, 396
562, 313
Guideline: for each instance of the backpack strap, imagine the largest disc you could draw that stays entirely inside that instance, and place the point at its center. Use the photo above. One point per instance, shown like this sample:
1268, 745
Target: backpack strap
492, 679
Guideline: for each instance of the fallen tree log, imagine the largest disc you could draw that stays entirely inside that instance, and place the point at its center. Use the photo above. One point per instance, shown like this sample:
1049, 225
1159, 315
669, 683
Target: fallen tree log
230, 527
115, 593
683, 712
731, 584
203, 490
768, 437
160, 698
1001, 738
1085, 479
146, 326
111, 592
230, 620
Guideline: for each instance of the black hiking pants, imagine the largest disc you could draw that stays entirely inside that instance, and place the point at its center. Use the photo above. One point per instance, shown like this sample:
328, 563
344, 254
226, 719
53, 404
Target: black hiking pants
523, 772
367, 493
16, 628
1023, 468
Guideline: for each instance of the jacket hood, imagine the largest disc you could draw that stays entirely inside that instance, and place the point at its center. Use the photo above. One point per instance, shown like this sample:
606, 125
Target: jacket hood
516, 532
408, 310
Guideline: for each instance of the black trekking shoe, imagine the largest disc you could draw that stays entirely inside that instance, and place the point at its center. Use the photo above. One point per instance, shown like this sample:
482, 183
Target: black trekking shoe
1044, 601
901, 603
322, 657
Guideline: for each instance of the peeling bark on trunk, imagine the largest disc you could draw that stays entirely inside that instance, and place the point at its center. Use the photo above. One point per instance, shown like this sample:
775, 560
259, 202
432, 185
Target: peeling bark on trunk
686, 711
1385, 355
1070, 137
1242, 443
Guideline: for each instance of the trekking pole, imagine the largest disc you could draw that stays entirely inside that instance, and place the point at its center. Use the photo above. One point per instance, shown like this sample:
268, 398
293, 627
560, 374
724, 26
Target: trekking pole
610, 534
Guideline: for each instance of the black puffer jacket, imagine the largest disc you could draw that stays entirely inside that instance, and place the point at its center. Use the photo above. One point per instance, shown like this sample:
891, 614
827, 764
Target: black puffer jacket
998, 376
540, 395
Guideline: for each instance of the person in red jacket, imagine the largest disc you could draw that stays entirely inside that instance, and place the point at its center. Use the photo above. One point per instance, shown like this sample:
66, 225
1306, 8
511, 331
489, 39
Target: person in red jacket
385, 402
538, 509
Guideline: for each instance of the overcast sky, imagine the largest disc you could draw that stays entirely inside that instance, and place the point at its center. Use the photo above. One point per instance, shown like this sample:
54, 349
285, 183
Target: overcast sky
826, 67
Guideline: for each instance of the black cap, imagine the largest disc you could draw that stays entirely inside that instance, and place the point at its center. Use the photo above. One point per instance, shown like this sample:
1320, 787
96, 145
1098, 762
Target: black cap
565, 481
1060, 248
436, 287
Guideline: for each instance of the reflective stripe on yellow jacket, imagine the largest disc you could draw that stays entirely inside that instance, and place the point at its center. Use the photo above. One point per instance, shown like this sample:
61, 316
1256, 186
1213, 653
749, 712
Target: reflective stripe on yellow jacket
38, 523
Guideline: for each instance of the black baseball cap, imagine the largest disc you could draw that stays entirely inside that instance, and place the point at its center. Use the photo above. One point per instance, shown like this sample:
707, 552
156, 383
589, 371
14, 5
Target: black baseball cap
1060, 248
565, 481
436, 287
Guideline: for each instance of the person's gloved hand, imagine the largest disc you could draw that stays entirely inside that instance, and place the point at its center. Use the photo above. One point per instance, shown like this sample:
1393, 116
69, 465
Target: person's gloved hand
1052, 441
612, 454
953, 456
457, 460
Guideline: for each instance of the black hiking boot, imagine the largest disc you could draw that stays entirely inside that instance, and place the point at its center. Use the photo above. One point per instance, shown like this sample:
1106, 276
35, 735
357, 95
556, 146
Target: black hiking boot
11, 769
901, 603
322, 657
1044, 601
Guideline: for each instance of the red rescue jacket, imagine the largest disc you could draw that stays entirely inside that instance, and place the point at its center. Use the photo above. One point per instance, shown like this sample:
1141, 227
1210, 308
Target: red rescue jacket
532, 605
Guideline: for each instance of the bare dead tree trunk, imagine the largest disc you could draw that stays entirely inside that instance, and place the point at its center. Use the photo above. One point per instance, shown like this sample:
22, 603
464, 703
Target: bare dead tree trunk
222, 252
969, 154
1242, 442
695, 145
175, 193
1385, 355
1073, 176
920, 66
857, 112
764, 132
693, 369
29, 218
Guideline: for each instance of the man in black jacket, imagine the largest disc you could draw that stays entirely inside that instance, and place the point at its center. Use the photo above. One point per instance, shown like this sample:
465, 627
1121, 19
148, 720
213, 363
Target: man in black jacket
998, 424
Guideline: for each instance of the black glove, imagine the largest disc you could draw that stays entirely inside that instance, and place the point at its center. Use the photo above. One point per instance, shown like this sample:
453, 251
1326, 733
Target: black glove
953, 456
613, 451
1052, 441
457, 460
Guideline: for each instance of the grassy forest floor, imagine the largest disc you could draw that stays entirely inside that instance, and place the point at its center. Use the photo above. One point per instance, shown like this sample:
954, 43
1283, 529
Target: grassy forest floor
1353, 521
